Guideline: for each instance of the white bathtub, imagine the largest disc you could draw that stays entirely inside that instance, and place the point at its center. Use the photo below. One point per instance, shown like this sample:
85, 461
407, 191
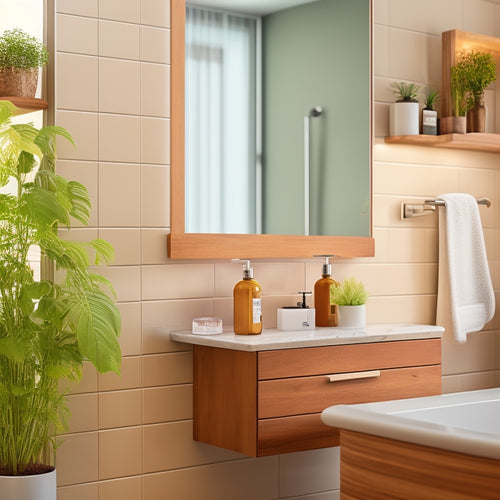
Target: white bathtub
465, 422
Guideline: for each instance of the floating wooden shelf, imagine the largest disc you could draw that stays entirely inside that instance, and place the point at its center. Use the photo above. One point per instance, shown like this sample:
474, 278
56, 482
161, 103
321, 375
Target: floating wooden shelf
26, 104
473, 142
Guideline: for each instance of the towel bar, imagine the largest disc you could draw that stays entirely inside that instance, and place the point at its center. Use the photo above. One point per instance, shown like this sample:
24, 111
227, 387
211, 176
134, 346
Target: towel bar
429, 206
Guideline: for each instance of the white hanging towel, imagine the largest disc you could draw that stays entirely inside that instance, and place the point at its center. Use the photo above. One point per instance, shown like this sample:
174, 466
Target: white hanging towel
466, 300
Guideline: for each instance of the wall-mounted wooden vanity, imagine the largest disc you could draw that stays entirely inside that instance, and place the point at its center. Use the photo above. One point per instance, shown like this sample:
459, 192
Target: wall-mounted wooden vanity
263, 394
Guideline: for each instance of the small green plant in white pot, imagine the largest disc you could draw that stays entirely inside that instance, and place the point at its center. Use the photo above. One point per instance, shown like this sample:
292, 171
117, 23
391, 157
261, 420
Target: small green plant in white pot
351, 296
405, 111
21, 57
48, 328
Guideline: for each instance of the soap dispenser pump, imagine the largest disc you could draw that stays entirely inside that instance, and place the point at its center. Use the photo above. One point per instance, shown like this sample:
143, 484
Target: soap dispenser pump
247, 306
326, 313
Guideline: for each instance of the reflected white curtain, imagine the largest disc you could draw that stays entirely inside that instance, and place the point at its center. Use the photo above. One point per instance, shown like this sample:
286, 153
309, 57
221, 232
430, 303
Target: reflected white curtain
220, 122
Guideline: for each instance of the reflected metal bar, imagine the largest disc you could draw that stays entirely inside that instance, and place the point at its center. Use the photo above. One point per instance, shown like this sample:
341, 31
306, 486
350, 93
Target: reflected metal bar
409, 210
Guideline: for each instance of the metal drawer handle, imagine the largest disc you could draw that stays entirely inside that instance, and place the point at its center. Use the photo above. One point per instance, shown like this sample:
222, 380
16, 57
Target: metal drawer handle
353, 376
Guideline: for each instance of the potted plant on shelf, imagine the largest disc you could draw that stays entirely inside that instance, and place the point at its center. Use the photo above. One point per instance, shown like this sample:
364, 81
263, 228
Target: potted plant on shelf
350, 296
405, 111
478, 71
429, 114
47, 327
21, 57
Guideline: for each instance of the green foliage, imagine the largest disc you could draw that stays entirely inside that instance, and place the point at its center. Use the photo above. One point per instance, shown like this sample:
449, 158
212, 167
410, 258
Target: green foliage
470, 76
406, 92
47, 328
350, 292
22, 51
431, 99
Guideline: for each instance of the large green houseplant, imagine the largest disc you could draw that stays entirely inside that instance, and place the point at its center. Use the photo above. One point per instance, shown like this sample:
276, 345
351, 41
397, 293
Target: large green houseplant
48, 328
21, 57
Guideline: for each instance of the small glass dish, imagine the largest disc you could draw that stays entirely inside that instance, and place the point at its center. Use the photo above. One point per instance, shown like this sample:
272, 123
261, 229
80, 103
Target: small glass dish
207, 326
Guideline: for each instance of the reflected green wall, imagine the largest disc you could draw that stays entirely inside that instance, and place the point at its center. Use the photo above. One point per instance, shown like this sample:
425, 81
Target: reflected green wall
317, 55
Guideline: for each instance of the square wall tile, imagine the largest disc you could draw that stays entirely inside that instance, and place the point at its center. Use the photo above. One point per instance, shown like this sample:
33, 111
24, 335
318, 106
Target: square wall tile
126, 243
120, 139
161, 317
83, 127
87, 383
165, 404
85, 173
77, 458
126, 280
155, 45
130, 337
84, 414
88, 491
120, 452
171, 446
479, 17
120, 10
177, 281
120, 409
155, 13
220, 481
77, 7
155, 140
155, 90
155, 196
119, 195
76, 34
128, 488
167, 369
130, 377
154, 245
309, 472
120, 40
119, 86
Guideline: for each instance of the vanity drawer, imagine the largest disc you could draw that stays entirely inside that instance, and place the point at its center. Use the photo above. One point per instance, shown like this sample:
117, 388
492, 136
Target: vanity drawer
307, 361
302, 395
291, 434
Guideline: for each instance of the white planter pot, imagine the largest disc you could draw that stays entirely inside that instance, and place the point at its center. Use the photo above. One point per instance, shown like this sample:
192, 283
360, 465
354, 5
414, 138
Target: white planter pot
404, 118
37, 487
352, 316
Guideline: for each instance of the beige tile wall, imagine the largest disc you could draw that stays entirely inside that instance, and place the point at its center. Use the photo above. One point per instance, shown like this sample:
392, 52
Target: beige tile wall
131, 437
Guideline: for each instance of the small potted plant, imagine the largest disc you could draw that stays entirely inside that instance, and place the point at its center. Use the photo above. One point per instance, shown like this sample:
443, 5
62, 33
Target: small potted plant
351, 296
47, 327
477, 71
405, 111
429, 114
21, 57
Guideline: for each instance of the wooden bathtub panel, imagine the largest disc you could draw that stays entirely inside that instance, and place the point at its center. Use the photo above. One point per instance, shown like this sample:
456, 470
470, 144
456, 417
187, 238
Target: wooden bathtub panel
379, 468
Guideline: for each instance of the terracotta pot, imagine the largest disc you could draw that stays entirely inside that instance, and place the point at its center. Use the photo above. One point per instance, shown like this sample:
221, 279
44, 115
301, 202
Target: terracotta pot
476, 117
18, 82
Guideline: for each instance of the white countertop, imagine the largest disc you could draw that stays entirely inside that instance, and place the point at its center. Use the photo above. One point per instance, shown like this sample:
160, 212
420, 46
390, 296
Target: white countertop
465, 422
278, 339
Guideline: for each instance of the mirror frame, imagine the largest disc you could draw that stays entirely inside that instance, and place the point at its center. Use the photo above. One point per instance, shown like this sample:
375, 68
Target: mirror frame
184, 245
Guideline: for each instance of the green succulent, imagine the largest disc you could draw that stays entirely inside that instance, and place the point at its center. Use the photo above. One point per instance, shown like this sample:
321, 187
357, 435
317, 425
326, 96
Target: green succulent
21, 51
349, 292
406, 92
431, 99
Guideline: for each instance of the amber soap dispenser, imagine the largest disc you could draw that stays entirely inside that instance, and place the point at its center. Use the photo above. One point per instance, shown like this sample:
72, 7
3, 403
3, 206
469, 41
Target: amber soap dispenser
247, 307
326, 314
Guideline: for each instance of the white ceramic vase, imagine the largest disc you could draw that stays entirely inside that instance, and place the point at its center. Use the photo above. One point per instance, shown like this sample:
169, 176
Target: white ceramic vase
352, 316
36, 487
405, 118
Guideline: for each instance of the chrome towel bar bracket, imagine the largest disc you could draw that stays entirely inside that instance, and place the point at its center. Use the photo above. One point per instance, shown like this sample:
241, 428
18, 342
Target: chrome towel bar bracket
428, 207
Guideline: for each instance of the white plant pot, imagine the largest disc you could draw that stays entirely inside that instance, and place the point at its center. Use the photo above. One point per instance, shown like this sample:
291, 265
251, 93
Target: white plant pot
404, 118
37, 487
352, 316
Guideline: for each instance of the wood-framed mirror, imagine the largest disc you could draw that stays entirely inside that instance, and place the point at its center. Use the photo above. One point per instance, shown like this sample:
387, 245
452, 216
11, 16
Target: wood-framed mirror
182, 244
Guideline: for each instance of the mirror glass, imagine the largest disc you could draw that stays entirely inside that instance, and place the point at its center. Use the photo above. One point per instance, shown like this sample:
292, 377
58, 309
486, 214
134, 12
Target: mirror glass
278, 118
